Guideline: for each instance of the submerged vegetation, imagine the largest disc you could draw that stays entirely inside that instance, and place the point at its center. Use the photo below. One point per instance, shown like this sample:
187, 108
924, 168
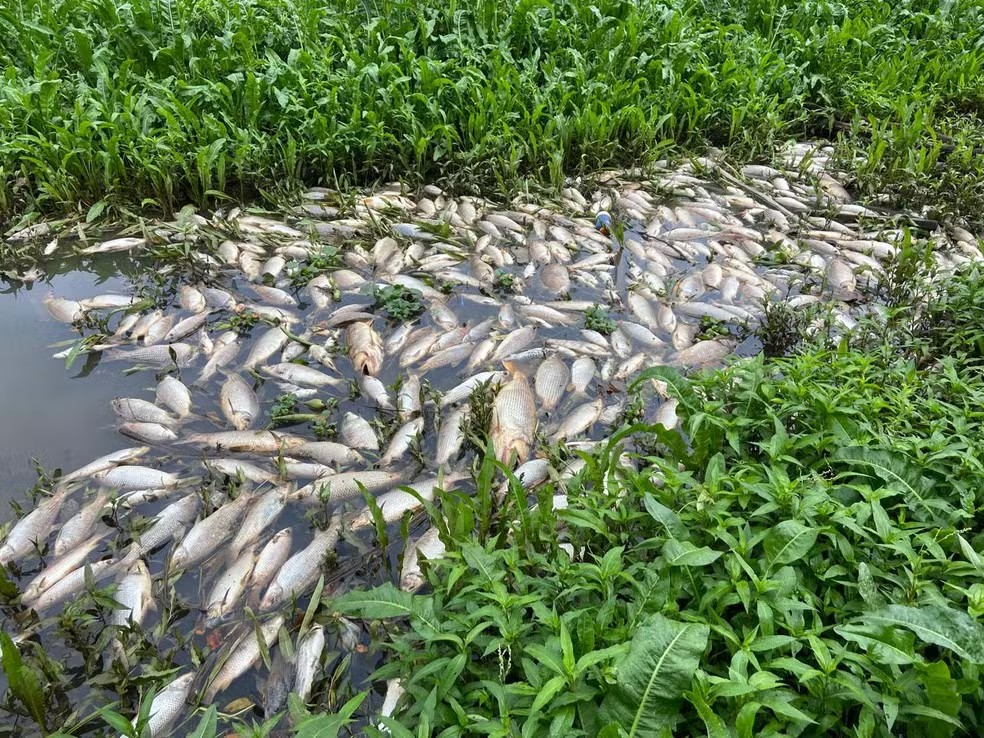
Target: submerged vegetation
108, 103
809, 562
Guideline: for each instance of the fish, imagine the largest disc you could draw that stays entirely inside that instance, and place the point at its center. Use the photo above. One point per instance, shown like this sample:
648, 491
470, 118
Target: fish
304, 376
239, 402
408, 397
126, 243
135, 594
269, 560
327, 452
208, 534
365, 348
514, 419
134, 410
168, 524
167, 705
396, 502
138, 477
262, 513
375, 390
80, 526
174, 395
582, 372
123, 456
157, 357
252, 441
72, 584
550, 382
279, 682
243, 655
451, 436
32, 530
464, 390
345, 485
401, 441
357, 433
57, 569
272, 341
229, 588
577, 421
308, 661
427, 546
239, 467
301, 571
148, 432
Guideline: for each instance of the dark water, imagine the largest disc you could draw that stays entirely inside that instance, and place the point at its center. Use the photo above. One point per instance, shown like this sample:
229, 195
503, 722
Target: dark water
62, 417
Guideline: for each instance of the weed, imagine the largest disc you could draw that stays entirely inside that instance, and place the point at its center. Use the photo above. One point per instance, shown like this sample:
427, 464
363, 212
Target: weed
596, 319
399, 302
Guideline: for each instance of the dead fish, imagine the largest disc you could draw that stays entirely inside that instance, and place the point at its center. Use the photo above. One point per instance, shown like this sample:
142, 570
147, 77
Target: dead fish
365, 348
408, 397
357, 433
701, 353
158, 357
270, 560
115, 245
243, 655
375, 390
451, 436
61, 566
395, 503
174, 395
229, 588
513, 419
135, 594
464, 390
108, 461
304, 376
138, 477
550, 382
253, 441
398, 446
555, 279
582, 372
308, 661
301, 571
239, 402
578, 421
209, 533
327, 452
346, 485
515, 341
154, 433
266, 346
262, 513
134, 410
64, 311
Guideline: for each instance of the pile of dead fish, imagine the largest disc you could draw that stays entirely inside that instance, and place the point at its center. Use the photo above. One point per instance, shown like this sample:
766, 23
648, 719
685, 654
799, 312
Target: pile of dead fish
506, 292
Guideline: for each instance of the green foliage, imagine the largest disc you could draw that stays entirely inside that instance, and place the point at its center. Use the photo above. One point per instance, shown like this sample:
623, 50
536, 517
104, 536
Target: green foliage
808, 562
324, 261
400, 303
106, 102
596, 319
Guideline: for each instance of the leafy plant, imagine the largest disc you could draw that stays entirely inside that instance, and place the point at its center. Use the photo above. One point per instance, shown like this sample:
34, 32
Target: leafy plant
399, 302
596, 319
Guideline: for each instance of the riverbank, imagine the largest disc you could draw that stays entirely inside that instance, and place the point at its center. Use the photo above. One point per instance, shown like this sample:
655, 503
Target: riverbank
394, 336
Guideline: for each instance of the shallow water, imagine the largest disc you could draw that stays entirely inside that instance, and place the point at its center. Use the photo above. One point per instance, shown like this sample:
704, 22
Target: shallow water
61, 417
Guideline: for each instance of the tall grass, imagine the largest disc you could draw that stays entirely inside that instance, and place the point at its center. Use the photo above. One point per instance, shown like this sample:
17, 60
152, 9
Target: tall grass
173, 99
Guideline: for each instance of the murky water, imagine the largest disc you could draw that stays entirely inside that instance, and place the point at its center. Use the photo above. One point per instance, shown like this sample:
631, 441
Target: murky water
61, 417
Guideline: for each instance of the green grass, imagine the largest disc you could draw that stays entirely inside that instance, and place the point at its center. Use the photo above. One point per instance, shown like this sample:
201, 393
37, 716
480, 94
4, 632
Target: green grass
171, 101
809, 562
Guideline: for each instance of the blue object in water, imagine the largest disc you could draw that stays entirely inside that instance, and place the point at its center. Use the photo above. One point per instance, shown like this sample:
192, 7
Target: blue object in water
603, 222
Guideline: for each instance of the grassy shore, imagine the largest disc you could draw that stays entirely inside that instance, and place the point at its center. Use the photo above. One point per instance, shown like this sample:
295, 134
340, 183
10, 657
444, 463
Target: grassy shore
115, 103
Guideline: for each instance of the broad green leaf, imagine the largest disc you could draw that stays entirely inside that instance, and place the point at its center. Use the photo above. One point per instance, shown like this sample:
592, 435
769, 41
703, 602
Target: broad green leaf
207, 725
885, 645
891, 468
328, 726
651, 679
684, 553
385, 601
712, 723
666, 517
547, 692
23, 682
481, 561
789, 541
940, 626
